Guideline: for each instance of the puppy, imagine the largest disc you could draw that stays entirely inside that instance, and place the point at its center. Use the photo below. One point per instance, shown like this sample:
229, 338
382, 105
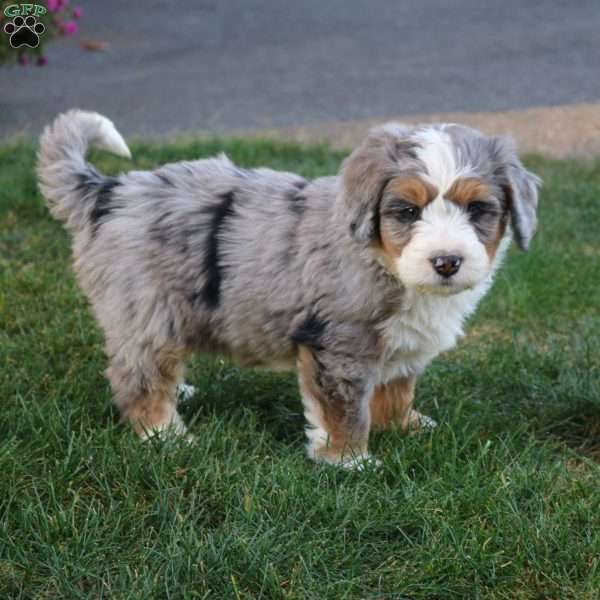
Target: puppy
358, 280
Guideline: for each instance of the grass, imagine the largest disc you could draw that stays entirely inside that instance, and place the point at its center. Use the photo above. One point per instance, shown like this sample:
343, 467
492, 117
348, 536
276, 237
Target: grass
501, 501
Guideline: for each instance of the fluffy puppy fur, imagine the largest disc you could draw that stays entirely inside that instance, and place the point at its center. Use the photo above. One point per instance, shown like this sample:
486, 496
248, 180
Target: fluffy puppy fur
358, 281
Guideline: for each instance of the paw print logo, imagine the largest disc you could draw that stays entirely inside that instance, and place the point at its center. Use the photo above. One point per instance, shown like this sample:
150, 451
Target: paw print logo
24, 32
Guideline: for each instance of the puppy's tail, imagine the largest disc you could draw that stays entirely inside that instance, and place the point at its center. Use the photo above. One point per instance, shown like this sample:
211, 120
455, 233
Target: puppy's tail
68, 183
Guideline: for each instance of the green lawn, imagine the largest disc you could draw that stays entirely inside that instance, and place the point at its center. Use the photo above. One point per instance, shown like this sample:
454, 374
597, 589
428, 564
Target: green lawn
501, 501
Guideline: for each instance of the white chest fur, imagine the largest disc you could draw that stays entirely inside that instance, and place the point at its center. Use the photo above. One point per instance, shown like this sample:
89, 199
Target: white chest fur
426, 325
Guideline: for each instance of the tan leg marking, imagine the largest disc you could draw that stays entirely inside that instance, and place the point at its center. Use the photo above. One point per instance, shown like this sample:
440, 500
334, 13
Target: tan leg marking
392, 406
145, 390
154, 414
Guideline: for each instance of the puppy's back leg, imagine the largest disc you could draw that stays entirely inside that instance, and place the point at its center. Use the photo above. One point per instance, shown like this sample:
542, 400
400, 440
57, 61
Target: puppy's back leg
144, 380
336, 396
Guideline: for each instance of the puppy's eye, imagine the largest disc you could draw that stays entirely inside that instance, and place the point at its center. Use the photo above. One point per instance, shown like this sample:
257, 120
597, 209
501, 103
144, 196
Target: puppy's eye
410, 213
478, 209
404, 211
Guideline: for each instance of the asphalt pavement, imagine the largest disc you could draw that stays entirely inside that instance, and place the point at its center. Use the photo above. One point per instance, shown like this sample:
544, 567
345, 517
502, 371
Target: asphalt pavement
221, 65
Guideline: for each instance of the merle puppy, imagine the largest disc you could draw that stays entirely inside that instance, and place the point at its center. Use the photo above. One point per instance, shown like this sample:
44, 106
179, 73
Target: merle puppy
357, 281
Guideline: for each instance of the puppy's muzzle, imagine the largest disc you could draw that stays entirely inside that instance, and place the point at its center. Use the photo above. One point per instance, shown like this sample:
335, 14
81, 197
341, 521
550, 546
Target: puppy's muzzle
446, 266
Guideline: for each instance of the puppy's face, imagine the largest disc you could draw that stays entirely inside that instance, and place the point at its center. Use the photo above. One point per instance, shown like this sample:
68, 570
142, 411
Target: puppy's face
441, 241
436, 202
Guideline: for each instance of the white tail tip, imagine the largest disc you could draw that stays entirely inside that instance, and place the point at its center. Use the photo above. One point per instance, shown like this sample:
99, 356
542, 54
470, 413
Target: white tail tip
110, 139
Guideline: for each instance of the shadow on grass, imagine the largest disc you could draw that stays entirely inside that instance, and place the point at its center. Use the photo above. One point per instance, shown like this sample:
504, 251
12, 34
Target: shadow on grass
579, 431
225, 390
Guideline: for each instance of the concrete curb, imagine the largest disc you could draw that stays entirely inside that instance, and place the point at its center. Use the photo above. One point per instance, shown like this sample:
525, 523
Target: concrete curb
555, 132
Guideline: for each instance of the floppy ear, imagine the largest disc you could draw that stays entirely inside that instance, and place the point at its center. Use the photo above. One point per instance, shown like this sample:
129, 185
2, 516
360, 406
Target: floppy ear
521, 189
364, 176
522, 193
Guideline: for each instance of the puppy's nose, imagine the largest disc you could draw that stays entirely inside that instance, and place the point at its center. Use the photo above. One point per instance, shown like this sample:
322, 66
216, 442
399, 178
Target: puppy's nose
446, 266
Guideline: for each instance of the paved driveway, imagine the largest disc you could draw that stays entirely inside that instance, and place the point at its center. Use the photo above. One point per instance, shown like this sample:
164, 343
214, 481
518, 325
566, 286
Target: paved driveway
219, 65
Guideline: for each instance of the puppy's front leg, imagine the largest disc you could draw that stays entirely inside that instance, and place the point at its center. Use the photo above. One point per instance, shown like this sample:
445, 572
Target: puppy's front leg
335, 393
392, 406
391, 403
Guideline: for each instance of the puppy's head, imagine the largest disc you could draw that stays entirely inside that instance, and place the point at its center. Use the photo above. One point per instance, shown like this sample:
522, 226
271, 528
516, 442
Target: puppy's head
435, 202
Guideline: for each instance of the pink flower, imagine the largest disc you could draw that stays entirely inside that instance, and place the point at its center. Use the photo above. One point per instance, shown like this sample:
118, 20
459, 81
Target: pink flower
77, 12
70, 28
41, 61
23, 59
53, 5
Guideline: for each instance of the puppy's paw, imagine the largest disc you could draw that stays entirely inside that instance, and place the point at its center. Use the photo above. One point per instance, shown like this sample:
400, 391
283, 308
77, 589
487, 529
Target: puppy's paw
420, 423
351, 461
361, 463
185, 392
174, 428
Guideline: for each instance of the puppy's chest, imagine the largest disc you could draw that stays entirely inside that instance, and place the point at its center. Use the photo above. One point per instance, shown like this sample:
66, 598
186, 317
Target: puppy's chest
424, 327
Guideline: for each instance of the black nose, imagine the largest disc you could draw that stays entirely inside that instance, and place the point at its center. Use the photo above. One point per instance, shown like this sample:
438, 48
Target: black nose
446, 266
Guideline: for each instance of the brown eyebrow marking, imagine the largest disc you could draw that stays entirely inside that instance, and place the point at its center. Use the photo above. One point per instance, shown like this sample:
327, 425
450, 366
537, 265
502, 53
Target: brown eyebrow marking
413, 189
466, 190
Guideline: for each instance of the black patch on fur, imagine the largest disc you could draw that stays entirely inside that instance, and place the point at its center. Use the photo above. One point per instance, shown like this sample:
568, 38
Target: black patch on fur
101, 187
89, 180
297, 201
213, 271
310, 332
104, 202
